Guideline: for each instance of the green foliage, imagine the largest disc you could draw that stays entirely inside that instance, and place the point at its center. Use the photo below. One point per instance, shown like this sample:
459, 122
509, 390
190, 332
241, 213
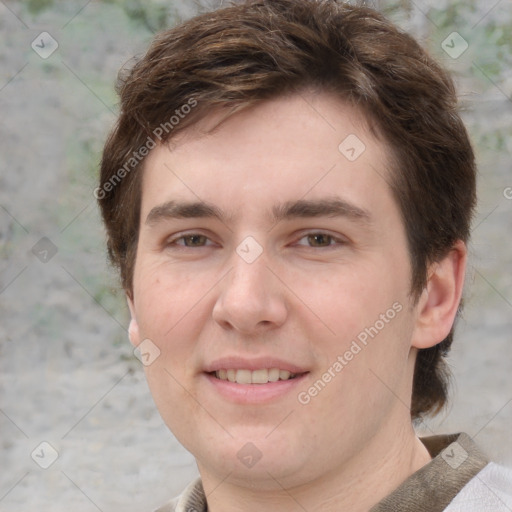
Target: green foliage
488, 60
37, 6
151, 15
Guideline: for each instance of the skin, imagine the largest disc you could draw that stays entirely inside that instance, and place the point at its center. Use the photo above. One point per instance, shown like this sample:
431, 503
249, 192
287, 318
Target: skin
304, 300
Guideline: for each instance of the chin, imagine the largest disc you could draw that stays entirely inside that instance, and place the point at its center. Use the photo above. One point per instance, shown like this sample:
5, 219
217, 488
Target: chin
252, 461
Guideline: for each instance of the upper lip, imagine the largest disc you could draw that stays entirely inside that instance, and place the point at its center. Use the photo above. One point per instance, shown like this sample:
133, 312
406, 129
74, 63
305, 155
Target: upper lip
254, 363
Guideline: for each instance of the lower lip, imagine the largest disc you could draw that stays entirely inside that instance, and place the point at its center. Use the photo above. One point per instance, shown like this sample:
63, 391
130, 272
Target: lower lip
254, 393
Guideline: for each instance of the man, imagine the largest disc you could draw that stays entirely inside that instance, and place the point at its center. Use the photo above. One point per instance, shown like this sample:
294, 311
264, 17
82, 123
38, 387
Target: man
288, 195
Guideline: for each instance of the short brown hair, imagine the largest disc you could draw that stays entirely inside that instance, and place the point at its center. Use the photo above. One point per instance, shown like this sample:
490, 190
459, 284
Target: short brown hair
261, 49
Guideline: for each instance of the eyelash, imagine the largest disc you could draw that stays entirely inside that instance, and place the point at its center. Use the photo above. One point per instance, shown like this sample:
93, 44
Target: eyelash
334, 241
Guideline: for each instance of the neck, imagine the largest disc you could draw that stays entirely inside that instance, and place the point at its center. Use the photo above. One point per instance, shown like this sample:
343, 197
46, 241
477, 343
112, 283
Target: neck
385, 462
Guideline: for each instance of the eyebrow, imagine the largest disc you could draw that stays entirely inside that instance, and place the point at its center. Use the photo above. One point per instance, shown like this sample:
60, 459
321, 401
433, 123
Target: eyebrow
183, 210
328, 207
302, 208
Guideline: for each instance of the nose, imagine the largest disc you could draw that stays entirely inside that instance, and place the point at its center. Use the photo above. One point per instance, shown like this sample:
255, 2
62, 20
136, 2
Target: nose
251, 299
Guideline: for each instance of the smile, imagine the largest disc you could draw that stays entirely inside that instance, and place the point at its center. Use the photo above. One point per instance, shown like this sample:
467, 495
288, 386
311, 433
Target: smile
260, 376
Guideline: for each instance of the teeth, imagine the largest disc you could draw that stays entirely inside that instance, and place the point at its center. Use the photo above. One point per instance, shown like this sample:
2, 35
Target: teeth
258, 376
273, 375
262, 376
284, 374
243, 376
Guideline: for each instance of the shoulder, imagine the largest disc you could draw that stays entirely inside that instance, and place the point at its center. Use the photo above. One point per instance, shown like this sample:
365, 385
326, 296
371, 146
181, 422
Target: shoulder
170, 506
192, 498
490, 490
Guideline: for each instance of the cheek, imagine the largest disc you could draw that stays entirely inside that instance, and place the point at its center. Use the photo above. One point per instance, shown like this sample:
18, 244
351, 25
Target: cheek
165, 298
171, 311
171, 315
169, 389
360, 380
361, 316
345, 300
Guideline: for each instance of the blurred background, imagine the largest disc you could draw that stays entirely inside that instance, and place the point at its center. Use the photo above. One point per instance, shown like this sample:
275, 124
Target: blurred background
78, 427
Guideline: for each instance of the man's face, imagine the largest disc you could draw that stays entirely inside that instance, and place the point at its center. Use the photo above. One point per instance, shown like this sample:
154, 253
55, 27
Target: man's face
266, 246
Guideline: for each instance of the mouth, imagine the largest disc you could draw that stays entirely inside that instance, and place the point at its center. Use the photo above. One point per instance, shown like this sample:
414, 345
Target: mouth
253, 380
259, 376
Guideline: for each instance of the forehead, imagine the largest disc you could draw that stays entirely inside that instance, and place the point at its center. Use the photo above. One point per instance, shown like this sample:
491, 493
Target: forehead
294, 147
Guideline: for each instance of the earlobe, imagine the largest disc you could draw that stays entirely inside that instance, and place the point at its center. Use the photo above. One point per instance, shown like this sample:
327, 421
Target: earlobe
133, 328
439, 301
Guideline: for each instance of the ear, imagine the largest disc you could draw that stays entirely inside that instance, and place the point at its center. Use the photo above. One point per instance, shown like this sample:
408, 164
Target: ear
440, 299
133, 329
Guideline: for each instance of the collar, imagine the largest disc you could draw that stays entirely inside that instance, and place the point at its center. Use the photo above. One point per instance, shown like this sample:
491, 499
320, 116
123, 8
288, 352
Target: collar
456, 459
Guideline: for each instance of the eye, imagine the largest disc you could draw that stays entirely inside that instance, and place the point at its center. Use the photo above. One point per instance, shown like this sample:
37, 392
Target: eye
192, 240
319, 240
